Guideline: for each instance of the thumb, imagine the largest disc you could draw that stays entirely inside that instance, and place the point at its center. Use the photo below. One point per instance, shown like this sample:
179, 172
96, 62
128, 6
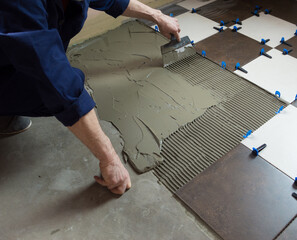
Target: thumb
129, 184
100, 181
177, 36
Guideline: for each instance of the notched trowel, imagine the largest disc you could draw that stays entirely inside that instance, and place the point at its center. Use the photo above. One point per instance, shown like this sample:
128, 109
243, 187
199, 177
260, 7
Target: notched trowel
174, 50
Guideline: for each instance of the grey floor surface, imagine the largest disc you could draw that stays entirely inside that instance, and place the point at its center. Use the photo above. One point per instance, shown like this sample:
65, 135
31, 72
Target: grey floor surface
47, 191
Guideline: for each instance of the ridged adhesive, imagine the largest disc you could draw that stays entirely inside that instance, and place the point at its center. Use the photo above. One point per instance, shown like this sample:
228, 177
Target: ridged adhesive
197, 145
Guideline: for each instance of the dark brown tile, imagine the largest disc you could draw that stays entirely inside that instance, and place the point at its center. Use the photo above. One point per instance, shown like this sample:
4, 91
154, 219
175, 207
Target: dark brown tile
290, 232
284, 9
242, 197
228, 10
174, 9
230, 47
293, 42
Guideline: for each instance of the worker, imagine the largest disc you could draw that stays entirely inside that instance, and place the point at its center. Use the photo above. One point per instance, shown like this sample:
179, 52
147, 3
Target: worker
36, 78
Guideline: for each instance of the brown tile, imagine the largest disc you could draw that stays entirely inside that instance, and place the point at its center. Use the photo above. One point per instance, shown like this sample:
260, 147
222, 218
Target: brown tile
230, 47
232, 9
290, 232
284, 9
293, 42
242, 197
228, 10
174, 9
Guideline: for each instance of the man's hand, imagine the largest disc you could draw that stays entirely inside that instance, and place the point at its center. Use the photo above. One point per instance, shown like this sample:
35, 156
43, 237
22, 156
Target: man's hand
114, 176
167, 25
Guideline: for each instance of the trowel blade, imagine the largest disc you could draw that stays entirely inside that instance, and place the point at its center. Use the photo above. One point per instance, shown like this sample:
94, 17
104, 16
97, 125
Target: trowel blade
174, 50
177, 54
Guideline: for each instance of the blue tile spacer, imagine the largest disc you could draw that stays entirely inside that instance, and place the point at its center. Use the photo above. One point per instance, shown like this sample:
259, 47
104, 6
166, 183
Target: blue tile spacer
267, 11
295, 33
295, 182
296, 97
237, 20
277, 93
222, 23
255, 151
247, 134
280, 109
171, 14
263, 41
192, 42
224, 65
237, 65
235, 28
282, 40
257, 7
262, 51
255, 12
203, 53
285, 51
156, 29
193, 10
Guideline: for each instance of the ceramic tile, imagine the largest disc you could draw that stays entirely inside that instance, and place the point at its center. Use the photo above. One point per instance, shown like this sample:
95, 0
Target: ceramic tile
195, 26
189, 4
174, 9
276, 74
293, 42
284, 9
290, 232
279, 134
241, 197
267, 27
228, 11
230, 48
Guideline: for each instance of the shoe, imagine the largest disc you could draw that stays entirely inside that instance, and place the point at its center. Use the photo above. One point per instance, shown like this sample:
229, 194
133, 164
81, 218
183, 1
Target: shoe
14, 124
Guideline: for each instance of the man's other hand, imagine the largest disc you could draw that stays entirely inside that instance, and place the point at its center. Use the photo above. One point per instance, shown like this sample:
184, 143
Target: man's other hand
114, 176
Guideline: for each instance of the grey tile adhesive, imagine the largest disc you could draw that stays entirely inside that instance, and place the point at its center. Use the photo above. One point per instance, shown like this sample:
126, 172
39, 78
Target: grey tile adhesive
198, 144
151, 106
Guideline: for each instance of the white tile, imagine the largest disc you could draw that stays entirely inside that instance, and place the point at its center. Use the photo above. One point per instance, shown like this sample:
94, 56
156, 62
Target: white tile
276, 74
189, 4
267, 27
195, 26
279, 133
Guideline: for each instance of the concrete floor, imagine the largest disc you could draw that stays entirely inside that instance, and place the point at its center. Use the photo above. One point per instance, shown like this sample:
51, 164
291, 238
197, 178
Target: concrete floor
48, 192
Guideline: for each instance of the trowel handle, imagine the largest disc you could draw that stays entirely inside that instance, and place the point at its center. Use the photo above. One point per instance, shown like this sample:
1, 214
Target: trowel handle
172, 37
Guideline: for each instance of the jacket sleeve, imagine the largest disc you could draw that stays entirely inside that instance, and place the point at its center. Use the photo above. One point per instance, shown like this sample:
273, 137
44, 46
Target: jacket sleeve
114, 8
38, 52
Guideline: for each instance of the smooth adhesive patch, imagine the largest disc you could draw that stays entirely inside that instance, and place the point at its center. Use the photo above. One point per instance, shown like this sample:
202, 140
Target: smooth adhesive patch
133, 91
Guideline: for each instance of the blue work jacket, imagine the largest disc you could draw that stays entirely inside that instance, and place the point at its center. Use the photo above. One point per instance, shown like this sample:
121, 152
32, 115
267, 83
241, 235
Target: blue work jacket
36, 78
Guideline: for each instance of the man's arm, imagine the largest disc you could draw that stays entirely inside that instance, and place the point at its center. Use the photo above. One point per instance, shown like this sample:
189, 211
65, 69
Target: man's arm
167, 25
115, 176
88, 130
